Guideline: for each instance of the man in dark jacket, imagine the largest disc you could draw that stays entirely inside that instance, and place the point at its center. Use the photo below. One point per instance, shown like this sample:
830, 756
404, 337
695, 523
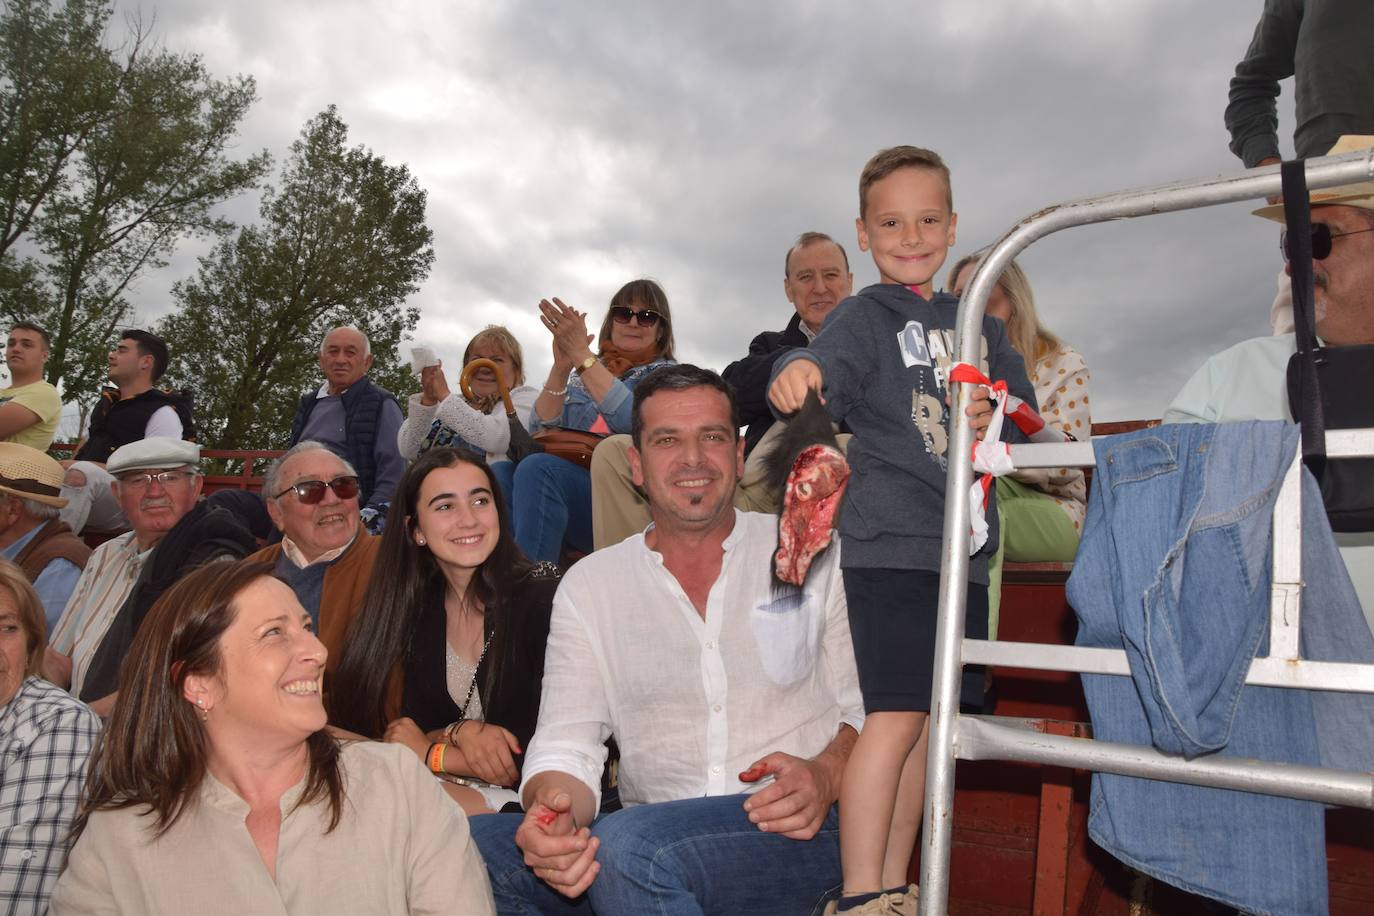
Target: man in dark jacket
816, 277
356, 419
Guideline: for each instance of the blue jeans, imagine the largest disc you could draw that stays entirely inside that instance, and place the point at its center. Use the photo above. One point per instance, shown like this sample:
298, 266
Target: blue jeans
504, 472
695, 856
1174, 567
551, 502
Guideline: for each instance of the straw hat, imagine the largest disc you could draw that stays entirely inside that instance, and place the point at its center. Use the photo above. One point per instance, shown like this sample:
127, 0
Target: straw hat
30, 474
1360, 194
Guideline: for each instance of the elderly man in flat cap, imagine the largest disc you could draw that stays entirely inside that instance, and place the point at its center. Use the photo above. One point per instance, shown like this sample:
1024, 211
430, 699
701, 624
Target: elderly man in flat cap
157, 482
31, 534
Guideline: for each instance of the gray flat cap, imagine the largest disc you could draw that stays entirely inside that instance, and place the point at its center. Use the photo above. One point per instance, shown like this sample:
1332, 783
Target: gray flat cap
153, 452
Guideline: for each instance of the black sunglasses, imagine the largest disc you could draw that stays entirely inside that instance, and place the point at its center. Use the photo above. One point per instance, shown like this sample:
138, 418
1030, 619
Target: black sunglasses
1322, 237
310, 492
647, 318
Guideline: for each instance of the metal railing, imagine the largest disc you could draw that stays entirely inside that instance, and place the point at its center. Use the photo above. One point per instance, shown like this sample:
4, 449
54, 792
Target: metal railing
990, 738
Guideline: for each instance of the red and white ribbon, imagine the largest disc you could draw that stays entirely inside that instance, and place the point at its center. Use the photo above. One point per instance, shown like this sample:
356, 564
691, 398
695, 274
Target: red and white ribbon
991, 456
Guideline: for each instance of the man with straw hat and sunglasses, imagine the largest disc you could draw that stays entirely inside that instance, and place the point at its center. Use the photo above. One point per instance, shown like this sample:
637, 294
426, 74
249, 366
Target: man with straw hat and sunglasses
31, 534
158, 484
324, 554
1249, 381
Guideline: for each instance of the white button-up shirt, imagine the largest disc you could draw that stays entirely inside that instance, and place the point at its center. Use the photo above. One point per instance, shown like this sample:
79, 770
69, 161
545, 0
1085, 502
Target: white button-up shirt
692, 701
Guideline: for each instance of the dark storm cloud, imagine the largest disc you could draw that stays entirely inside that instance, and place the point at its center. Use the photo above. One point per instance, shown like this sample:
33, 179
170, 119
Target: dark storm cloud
570, 147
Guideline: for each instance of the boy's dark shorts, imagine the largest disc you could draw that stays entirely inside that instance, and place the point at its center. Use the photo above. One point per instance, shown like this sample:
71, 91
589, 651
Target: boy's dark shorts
892, 621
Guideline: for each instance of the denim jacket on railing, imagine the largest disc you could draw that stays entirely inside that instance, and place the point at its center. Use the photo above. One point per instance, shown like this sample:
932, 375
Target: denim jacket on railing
1175, 567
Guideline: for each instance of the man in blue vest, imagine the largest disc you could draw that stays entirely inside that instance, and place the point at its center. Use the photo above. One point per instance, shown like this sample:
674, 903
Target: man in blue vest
356, 419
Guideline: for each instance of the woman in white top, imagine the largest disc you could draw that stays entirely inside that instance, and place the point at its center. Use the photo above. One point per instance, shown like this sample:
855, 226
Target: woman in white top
439, 416
1041, 509
217, 789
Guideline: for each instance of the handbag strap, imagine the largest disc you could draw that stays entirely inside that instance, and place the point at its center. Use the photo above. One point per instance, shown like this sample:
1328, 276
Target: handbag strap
466, 387
1298, 215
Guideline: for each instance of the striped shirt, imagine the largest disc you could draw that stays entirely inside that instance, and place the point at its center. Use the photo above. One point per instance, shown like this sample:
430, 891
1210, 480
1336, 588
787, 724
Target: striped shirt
110, 575
46, 737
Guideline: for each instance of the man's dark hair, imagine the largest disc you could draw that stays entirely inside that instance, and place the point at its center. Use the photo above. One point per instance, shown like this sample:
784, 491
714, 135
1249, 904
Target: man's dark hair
678, 377
149, 345
811, 238
30, 326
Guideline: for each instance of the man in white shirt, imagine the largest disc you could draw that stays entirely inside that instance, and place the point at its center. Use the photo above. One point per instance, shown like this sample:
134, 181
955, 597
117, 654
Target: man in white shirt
734, 705
1249, 381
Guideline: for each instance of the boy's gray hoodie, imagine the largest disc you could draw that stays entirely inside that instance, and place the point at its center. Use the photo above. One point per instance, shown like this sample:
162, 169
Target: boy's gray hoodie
885, 354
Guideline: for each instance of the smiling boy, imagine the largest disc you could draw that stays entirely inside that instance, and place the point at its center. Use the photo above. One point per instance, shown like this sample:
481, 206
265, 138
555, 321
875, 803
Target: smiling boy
881, 362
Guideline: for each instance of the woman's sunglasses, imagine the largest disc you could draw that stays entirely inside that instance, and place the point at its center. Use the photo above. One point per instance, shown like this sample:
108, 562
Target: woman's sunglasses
1322, 237
310, 492
647, 318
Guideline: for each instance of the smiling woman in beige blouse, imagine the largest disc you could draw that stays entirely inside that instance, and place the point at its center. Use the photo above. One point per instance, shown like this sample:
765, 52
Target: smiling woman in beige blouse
216, 789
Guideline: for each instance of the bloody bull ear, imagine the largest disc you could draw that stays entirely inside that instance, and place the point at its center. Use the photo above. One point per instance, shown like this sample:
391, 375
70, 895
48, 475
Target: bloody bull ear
807, 474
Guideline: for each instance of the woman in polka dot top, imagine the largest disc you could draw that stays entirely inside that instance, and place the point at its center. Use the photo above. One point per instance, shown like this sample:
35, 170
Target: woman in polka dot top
1041, 509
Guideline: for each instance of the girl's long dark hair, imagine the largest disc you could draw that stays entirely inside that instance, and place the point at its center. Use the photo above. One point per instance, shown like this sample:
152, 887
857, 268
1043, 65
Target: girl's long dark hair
405, 577
153, 750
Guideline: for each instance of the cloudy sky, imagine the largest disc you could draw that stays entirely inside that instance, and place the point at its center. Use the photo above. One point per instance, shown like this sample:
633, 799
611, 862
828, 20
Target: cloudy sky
569, 147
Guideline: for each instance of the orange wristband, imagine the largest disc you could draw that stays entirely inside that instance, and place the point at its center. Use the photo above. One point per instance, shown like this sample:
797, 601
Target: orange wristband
436, 758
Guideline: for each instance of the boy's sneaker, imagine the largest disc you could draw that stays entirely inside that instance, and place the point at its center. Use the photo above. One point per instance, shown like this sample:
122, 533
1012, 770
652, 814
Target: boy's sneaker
902, 904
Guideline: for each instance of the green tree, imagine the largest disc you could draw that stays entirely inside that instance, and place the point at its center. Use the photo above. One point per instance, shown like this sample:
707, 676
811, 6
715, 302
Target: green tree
342, 240
108, 159
148, 177
57, 84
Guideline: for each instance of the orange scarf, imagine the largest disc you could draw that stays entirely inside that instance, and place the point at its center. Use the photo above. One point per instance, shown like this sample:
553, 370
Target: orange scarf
618, 362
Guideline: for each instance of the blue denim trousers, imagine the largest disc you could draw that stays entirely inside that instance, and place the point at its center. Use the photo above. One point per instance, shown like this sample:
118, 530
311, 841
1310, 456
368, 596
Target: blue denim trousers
695, 856
1174, 568
551, 503
504, 472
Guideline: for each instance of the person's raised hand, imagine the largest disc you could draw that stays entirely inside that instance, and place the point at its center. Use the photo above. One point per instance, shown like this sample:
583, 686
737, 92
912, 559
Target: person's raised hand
788, 391
571, 342
433, 385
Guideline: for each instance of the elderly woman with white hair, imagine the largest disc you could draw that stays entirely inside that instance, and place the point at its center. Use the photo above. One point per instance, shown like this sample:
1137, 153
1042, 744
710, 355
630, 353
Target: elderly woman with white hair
1041, 509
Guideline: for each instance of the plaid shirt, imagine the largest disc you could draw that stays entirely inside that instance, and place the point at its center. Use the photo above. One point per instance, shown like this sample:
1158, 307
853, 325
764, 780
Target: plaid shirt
46, 738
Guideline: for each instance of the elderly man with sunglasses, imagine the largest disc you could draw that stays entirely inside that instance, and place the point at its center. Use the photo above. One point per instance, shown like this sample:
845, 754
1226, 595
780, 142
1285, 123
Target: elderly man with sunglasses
1249, 381
324, 554
158, 484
